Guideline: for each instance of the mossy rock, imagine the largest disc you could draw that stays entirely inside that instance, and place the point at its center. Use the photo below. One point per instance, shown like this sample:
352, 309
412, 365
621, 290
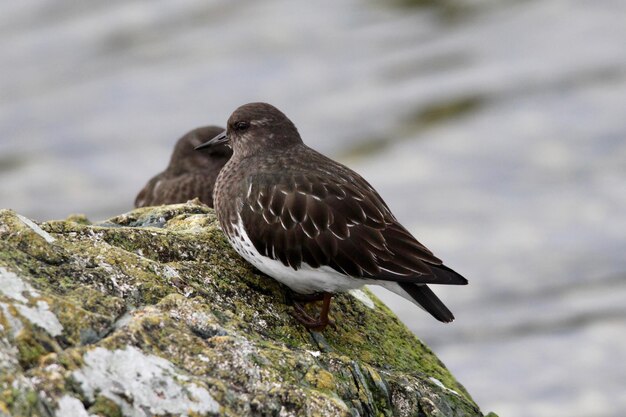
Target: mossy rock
152, 313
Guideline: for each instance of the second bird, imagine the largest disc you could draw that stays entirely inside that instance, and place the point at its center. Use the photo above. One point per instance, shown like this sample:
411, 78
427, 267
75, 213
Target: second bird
190, 174
312, 223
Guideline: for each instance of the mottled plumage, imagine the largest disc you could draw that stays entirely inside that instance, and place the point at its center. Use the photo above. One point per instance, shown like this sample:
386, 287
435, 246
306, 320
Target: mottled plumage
190, 174
311, 222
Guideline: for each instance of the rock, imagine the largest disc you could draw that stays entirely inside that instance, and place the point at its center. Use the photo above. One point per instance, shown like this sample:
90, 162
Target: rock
152, 313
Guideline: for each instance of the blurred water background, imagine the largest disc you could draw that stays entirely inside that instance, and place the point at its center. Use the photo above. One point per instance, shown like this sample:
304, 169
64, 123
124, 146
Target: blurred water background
496, 131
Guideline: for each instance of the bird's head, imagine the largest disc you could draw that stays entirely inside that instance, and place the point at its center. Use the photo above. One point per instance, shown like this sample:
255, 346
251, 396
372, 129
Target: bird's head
255, 127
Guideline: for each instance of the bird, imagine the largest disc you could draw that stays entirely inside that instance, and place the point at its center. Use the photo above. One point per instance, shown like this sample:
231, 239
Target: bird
190, 174
314, 224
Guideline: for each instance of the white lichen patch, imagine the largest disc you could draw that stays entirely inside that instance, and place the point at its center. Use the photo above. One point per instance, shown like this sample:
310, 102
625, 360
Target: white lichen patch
16, 289
36, 228
169, 272
13, 287
141, 384
8, 357
315, 353
440, 384
15, 325
362, 297
42, 317
70, 406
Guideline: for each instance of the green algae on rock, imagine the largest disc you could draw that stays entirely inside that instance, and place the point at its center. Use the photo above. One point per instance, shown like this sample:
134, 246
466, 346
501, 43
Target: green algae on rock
152, 313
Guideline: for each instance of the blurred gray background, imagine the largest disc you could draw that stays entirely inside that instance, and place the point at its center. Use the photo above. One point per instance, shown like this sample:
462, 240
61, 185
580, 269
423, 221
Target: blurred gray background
496, 131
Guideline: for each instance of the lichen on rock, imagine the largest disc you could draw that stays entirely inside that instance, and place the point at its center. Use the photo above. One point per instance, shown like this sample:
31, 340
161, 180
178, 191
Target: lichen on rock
152, 313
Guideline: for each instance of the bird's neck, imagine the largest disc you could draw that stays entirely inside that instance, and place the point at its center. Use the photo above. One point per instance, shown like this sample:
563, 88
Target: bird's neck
262, 151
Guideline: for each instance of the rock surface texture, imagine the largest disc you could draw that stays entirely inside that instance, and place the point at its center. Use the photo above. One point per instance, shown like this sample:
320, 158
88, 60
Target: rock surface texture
151, 313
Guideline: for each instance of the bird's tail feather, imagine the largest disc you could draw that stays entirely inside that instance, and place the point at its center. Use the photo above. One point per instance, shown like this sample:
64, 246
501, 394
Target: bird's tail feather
447, 275
423, 296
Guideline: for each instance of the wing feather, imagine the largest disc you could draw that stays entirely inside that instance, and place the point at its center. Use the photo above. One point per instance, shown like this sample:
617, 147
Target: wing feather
341, 223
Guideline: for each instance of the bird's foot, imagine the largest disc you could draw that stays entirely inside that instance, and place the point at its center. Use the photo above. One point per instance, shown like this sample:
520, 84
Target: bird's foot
316, 324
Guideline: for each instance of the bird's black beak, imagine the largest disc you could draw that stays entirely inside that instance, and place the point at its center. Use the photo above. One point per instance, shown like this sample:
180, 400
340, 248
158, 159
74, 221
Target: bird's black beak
219, 139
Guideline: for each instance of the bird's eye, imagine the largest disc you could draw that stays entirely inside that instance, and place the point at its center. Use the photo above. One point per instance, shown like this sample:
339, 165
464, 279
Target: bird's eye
241, 126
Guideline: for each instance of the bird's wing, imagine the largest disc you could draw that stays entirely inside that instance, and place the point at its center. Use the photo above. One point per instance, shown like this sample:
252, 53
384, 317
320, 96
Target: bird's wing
340, 222
144, 197
177, 189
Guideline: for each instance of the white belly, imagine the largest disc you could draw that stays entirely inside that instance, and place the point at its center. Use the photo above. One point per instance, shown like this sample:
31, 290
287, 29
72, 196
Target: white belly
305, 280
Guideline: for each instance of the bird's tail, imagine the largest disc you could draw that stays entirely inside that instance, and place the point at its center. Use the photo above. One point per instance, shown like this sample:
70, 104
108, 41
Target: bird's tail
423, 296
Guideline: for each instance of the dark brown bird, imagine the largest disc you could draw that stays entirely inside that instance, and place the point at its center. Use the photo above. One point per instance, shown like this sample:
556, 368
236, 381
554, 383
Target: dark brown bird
312, 223
190, 174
